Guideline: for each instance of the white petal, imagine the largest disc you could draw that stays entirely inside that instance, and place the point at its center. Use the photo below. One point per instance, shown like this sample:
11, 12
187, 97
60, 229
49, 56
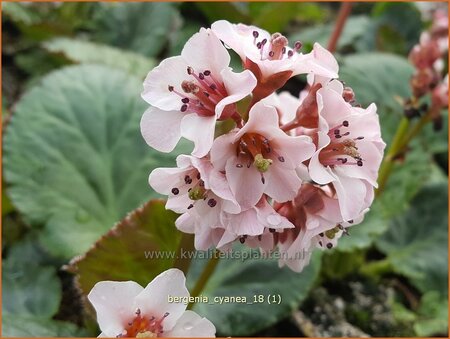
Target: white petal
113, 302
199, 130
191, 325
204, 51
185, 223
263, 119
245, 183
161, 129
170, 72
162, 180
238, 86
352, 195
282, 184
153, 300
222, 149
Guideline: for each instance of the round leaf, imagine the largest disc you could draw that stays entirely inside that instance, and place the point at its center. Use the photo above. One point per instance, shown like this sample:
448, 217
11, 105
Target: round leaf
74, 158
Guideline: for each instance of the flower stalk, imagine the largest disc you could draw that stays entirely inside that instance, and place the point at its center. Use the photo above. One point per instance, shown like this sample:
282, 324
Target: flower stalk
204, 277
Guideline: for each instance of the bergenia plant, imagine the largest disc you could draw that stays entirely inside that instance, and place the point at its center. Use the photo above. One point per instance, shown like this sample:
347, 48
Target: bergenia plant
291, 174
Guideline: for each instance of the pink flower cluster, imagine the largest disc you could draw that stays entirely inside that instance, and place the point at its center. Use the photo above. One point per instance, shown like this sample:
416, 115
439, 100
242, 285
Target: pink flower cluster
428, 58
291, 174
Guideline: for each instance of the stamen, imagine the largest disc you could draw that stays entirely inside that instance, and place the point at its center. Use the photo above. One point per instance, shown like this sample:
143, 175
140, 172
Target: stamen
187, 180
175, 191
185, 100
329, 245
281, 159
212, 202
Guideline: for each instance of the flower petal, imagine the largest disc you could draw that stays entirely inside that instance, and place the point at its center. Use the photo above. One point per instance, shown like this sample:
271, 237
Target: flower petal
238, 86
113, 302
153, 300
222, 150
161, 129
245, 183
170, 72
191, 325
282, 183
204, 51
199, 130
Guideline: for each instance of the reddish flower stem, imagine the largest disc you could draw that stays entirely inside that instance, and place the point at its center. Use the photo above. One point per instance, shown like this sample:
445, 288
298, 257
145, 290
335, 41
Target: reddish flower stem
344, 12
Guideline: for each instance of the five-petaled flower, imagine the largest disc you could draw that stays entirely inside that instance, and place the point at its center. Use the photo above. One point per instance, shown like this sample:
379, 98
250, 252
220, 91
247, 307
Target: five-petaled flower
127, 310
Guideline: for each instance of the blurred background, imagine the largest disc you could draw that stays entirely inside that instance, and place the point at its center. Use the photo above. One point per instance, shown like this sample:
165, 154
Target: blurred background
75, 164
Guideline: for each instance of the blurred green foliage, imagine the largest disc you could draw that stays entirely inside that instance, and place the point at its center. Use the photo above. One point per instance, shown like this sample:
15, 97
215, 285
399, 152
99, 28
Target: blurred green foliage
75, 163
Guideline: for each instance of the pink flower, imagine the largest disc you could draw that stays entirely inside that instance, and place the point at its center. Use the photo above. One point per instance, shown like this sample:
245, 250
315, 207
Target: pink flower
188, 93
127, 310
193, 185
260, 158
349, 151
200, 194
270, 58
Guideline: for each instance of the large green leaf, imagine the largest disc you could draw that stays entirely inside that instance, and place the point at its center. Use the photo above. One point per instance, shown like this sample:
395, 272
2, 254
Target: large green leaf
416, 242
28, 327
142, 27
80, 51
74, 158
380, 78
251, 278
124, 253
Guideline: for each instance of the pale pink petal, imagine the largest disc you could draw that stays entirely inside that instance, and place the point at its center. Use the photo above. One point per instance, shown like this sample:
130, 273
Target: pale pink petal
152, 301
162, 180
238, 86
113, 302
351, 194
282, 183
244, 223
161, 129
199, 130
186, 223
371, 163
245, 183
318, 172
319, 62
269, 217
170, 72
237, 37
204, 51
222, 150
263, 119
191, 325
294, 150
335, 109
